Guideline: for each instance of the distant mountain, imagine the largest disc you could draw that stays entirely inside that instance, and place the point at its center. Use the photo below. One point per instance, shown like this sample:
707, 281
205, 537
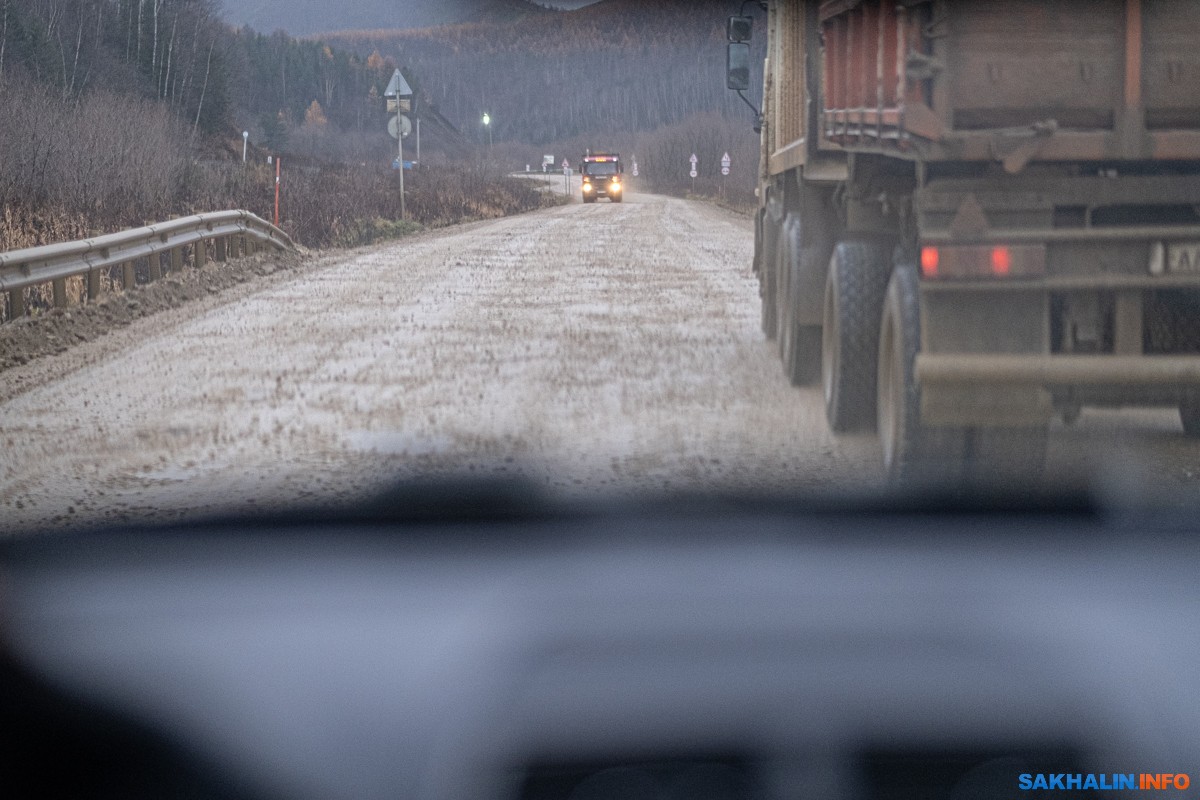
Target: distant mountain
309, 17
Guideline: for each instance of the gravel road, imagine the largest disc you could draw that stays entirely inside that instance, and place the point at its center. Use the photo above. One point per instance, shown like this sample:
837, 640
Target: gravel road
608, 348
596, 350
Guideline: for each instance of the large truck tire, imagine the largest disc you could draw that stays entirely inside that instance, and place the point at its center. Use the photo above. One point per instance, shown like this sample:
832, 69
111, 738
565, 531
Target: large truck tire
854, 291
616, 198
912, 453
767, 275
799, 344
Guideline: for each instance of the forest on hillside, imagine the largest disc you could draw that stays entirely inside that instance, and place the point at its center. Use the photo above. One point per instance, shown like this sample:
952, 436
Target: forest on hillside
123, 112
217, 79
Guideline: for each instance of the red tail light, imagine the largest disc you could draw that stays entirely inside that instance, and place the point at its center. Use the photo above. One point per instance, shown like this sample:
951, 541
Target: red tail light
983, 261
929, 262
1001, 261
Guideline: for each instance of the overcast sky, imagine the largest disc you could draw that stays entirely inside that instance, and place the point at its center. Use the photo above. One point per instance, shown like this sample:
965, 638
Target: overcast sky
305, 17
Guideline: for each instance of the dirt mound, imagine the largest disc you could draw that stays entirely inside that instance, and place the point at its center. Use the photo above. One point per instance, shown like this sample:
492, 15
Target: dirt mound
54, 331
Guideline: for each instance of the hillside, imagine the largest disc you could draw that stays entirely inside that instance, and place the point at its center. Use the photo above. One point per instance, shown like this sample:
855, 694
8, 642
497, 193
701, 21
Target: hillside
613, 68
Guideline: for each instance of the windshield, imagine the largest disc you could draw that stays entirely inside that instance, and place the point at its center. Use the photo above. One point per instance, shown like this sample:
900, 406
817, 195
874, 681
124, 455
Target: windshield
361, 436
374, 260
600, 168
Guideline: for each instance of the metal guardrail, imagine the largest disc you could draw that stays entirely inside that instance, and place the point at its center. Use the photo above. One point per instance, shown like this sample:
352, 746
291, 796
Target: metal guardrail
230, 232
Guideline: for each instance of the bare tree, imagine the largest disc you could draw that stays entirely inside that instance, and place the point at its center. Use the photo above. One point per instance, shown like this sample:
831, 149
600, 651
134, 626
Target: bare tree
204, 88
3, 38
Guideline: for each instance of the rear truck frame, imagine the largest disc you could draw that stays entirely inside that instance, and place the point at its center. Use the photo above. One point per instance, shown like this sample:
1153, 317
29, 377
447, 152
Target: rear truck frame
975, 217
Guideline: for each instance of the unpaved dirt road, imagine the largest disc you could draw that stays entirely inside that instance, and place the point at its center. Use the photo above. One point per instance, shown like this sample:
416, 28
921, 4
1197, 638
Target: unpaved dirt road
607, 348
592, 349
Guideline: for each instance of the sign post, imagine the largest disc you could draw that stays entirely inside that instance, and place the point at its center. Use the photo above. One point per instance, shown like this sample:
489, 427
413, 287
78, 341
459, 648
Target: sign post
693, 160
724, 171
278, 162
399, 92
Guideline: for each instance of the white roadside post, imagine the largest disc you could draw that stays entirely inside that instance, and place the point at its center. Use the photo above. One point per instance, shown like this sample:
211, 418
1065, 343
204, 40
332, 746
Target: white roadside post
399, 97
566, 165
245, 141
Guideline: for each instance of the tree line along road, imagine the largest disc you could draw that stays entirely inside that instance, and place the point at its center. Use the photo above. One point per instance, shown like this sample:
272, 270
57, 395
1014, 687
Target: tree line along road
595, 350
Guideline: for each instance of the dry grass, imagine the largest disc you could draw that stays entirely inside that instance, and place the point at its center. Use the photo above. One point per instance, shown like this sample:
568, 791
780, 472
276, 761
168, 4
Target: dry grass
331, 206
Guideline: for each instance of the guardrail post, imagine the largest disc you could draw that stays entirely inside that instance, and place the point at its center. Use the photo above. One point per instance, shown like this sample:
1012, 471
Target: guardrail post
16, 303
93, 284
128, 276
220, 248
155, 264
201, 255
243, 246
60, 292
176, 259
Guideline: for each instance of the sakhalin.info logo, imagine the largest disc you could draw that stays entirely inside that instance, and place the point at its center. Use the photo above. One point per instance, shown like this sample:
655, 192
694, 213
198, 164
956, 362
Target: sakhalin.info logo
1114, 781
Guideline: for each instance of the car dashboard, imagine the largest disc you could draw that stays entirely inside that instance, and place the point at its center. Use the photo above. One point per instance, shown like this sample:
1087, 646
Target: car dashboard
687, 650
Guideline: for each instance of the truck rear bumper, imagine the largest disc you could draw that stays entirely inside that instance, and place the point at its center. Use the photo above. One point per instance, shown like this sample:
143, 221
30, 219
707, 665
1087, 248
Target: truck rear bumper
1057, 370
1022, 390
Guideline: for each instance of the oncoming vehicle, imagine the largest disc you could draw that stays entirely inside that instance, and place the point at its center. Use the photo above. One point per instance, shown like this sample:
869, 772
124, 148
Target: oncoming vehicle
602, 177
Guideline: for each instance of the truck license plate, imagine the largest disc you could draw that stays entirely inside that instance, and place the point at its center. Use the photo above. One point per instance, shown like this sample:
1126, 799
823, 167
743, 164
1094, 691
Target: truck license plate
1184, 258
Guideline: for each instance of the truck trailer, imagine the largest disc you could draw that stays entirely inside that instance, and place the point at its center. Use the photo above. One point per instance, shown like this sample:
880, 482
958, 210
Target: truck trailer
975, 217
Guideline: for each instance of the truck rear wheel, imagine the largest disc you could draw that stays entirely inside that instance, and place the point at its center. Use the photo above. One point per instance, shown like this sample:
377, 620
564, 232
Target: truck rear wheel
912, 453
799, 345
766, 277
854, 291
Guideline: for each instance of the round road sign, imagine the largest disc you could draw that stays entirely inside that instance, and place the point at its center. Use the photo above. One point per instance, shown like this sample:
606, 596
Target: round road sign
405, 126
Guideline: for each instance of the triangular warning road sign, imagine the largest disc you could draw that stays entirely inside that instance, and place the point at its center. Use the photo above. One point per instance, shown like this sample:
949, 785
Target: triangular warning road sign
398, 87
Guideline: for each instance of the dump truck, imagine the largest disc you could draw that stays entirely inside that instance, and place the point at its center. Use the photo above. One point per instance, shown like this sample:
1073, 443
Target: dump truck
976, 217
602, 173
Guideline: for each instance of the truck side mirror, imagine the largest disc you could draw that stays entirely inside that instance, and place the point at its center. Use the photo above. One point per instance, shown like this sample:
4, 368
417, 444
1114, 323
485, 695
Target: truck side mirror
737, 67
738, 29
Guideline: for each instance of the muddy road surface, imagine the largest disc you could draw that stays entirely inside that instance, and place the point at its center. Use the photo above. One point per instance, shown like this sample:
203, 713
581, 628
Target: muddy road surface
596, 350
606, 348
